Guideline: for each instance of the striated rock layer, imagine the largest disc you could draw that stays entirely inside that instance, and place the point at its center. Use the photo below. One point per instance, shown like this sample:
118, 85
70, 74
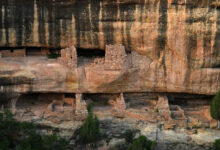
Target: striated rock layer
174, 45
137, 73
157, 57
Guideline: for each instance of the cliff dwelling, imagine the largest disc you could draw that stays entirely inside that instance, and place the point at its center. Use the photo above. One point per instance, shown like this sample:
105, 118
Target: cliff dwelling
87, 57
104, 73
60, 90
192, 112
149, 65
25, 51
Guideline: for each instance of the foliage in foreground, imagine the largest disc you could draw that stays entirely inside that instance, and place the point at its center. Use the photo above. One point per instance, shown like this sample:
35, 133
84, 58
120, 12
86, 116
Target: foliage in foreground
216, 145
214, 107
90, 131
142, 143
16, 135
130, 136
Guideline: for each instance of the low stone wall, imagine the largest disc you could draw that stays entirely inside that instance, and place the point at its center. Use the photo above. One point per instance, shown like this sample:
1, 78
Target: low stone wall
13, 53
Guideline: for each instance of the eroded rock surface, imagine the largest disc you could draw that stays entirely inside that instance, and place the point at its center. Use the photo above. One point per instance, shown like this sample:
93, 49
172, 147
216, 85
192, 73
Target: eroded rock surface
164, 46
119, 72
186, 125
68, 57
174, 45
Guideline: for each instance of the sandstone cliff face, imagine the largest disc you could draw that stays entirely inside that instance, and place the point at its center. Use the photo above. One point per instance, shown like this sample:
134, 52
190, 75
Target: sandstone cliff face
177, 44
171, 47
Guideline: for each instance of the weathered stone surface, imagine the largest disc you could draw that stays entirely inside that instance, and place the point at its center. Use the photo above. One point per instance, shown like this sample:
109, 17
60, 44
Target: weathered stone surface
17, 53
178, 45
68, 57
136, 111
38, 74
163, 108
119, 106
170, 47
115, 57
81, 108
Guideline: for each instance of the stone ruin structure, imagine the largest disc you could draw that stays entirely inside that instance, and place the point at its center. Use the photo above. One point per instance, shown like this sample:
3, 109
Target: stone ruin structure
166, 115
172, 116
53, 107
60, 107
13, 53
119, 105
81, 107
98, 71
163, 108
60, 100
24, 52
78, 105
68, 57
115, 57
173, 52
98, 62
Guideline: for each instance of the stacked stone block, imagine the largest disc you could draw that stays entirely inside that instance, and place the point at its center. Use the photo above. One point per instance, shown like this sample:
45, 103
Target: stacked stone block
69, 57
115, 56
14, 53
163, 108
81, 108
119, 106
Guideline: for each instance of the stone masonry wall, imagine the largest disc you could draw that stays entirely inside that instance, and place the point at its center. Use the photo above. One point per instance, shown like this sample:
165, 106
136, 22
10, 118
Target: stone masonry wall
114, 57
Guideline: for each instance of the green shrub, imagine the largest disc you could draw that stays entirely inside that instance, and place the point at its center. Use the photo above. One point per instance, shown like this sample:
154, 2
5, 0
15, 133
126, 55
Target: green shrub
129, 136
216, 145
89, 132
16, 135
142, 143
89, 107
214, 107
